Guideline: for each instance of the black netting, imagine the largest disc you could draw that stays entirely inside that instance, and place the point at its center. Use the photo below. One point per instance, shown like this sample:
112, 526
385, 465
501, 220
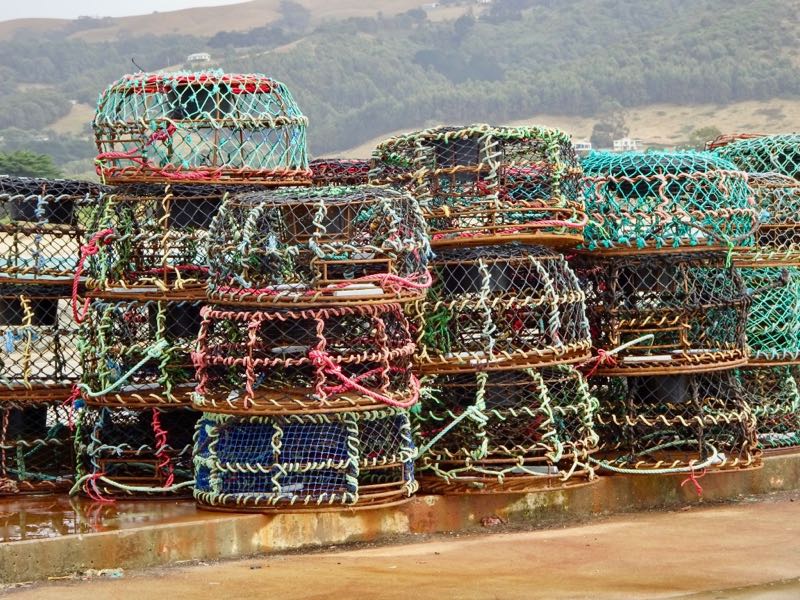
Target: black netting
137, 453
331, 245
679, 312
139, 353
35, 447
505, 430
499, 307
253, 361
675, 421
482, 184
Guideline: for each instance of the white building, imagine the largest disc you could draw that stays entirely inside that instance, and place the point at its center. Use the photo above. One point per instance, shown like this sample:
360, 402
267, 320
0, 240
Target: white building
198, 57
626, 144
582, 146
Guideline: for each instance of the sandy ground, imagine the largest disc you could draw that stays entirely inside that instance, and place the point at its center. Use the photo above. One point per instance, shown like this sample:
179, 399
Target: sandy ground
748, 550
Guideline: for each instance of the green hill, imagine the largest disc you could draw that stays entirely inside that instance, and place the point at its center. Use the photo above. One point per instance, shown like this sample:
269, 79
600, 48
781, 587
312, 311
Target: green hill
360, 78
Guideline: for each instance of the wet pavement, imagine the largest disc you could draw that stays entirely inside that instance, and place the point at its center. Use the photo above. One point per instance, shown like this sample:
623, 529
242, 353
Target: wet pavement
37, 517
726, 552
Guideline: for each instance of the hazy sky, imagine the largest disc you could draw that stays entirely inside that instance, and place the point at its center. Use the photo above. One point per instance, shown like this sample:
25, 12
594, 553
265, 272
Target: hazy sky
70, 9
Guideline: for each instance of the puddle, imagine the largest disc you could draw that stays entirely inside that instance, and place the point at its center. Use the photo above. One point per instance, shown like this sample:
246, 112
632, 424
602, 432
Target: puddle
38, 517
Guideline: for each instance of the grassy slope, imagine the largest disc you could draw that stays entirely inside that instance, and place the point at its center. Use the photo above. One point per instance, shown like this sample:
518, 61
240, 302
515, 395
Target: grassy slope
210, 20
667, 124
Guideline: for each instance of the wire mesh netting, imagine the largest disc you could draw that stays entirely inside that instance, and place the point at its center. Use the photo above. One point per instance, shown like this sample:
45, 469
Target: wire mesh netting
39, 358
659, 200
773, 321
773, 395
778, 237
762, 153
482, 184
150, 239
331, 245
347, 459
200, 127
500, 307
505, 430
134, 453
35, 447
673, 312
686, 421
267, 362
42, 227
339, 171
138, 354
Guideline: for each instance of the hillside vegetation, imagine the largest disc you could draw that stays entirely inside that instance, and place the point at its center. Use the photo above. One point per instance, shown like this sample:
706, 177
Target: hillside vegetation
362, 77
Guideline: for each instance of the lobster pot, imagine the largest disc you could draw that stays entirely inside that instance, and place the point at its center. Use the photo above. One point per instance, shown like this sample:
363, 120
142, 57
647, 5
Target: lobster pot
778, 154
144, 453
501, 307
138, 354
151, 241
39, 359
672, 313
482, 185
42, 227
778, 237
339, 171
326, 245
209, 127
773, 321
504, 431
35, 447
665, 200
295, 462
314, 360
772, 393
686, 421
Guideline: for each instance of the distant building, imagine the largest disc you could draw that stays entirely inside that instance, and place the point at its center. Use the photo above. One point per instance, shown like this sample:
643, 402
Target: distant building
198, 57
582, 146
626, 144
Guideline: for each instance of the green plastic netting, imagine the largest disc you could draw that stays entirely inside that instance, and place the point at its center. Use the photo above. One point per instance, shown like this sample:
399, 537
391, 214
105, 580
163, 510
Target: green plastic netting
666, 200
765, 154
211, 127
773, 395
773, 321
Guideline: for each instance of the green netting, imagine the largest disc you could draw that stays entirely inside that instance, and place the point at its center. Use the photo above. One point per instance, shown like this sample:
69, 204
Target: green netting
666, 200
773, 321
773, 395
765, 154
211, 126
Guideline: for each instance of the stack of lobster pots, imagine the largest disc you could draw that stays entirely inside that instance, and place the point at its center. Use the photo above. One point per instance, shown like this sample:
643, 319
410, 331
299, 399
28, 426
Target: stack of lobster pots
304, 358
770, 272
42, 227
172, 146
504, 325
668, 311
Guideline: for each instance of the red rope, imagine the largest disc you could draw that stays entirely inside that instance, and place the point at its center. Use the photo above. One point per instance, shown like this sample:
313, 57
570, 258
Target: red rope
87, 250
70, 404
165, 462
602, 358
693, 480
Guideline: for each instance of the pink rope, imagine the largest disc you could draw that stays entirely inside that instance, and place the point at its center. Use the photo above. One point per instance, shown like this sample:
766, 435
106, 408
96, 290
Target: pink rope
322, 360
